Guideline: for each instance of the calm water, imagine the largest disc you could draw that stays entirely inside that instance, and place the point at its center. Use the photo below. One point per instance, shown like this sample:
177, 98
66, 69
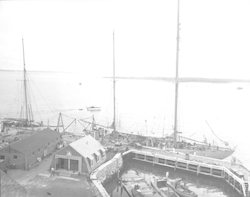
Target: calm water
143, 106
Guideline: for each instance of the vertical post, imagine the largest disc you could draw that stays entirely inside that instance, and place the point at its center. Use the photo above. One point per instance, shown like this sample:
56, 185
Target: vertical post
68, 164
58, 122
94, 126
25, 87
118, 171
176, 77
121, 187
21, 114
117, 174
31, 116
9, 155
102, 135
114, 125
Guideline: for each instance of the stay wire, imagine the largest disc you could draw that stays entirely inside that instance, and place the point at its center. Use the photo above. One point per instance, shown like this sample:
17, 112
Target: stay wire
34, 100
43, 98
18, 90
8, 58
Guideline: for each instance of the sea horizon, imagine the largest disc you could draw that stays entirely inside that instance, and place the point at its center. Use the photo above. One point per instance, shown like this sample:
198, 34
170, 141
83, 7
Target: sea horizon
170, 79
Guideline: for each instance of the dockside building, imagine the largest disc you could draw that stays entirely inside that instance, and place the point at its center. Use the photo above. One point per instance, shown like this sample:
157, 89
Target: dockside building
81, 156
24, 153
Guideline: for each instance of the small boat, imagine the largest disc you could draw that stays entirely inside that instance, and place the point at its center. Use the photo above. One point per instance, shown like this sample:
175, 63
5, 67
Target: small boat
178, 186
162, 188
136, 185
93, 108
131, 176
239, 88
136, 193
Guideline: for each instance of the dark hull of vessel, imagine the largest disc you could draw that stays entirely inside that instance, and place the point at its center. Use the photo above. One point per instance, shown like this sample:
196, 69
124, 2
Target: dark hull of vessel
93, 108
136, 193
216, 154
140, 141
182, 193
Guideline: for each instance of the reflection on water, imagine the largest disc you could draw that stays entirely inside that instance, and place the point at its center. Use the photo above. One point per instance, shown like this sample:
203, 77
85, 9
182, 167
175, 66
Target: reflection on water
203, 186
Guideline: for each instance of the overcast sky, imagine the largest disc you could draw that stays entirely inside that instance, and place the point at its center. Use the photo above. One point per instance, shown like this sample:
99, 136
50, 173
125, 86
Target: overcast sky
77, 36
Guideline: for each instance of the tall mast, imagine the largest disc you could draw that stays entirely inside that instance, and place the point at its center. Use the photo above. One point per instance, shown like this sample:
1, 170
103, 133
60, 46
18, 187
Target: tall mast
176, 77
25, 87
114, 78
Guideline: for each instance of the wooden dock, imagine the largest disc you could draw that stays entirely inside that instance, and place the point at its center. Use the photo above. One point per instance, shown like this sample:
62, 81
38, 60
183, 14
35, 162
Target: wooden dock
237, 176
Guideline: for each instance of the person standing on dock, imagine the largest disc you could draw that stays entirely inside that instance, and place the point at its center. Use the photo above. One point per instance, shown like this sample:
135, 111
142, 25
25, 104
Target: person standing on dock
52, 172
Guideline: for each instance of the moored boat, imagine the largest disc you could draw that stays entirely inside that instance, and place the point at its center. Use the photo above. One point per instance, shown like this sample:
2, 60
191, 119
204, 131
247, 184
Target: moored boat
178, 186
131, 176
136, 185
93, 108
23, 120
204, 151
163, 190
136, 193
177, 141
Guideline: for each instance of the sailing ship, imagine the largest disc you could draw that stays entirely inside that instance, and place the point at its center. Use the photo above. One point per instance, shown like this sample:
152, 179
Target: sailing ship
199, 148
181, 143
175, 142
26, 118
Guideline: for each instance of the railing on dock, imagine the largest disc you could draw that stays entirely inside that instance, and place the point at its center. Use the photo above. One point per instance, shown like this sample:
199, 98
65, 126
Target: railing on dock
236, 176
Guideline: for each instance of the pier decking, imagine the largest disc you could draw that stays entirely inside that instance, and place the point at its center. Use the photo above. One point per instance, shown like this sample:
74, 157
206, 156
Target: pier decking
235, 175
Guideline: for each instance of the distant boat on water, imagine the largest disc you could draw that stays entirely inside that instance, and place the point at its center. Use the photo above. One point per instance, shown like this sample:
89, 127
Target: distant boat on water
239, 88
93, 108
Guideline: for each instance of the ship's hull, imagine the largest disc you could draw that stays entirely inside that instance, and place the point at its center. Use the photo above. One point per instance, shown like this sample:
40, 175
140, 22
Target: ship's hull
164, 192
216, 154
182, 193
93, 108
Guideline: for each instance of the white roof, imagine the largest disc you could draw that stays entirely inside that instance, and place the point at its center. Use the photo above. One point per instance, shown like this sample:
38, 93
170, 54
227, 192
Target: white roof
91, 157
86, 146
